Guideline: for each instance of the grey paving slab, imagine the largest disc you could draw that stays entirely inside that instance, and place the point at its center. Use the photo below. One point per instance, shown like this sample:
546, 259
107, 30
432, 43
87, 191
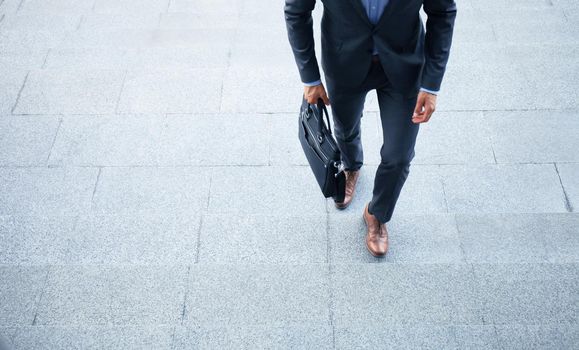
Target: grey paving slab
422, 193
286, 148
568, 174
223, 139
152, 190
6, 335
112, 295
12, 81
533, 25
127, 20
498, 81
384, 336
94, 337
242, 85
130, 6
413, 239
472, 26
263, 239
550, 84
171, 91
180, 58
20, 61
37, 240
108, 140
99, 239
109, 39
46, 191
206, 6
88, 59
500, 188
275, 37
270, 53
497, 5
505, 238
9, 7
70, 91
20, 292
564, 3
532, 294
534, 136
306, 336
405, 294
476, 337
276, 295
44, 22
537, 337
454, 138
30, 40
265, 190
125, 38
56, 6
198, 20
151, 240
26, 140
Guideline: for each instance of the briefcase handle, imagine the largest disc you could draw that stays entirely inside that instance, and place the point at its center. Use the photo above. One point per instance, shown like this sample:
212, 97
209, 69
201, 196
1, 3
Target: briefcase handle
321, 106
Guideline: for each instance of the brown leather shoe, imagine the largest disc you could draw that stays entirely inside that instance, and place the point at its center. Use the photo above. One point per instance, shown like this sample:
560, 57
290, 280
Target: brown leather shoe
377, 236
351, 180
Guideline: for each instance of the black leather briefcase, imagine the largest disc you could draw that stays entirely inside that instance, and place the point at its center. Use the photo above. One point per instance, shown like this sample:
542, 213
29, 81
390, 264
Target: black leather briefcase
321, 150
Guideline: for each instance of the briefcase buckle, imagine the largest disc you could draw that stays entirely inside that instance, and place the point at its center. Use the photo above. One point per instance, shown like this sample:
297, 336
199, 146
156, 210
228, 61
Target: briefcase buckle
340, 167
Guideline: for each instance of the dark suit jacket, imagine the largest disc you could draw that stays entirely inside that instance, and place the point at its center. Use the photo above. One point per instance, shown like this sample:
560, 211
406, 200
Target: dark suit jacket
411, 57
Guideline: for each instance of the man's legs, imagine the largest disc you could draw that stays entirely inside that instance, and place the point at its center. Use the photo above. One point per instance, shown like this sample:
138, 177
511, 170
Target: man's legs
397, 151
347, 106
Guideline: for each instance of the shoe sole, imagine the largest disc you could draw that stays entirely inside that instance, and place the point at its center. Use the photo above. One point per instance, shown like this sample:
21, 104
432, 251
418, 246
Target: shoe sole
367, 247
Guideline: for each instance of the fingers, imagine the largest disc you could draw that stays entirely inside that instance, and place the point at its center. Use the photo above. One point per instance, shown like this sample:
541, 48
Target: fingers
418, 109
424, 109
325, 98
313, 93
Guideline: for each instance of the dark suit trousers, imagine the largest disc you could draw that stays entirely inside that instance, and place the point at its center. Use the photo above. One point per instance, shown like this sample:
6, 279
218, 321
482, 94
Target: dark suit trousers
398, 131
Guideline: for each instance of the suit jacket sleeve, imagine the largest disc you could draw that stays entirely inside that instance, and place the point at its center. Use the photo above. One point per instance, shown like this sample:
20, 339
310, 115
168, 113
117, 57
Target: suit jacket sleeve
439, 28
299, 23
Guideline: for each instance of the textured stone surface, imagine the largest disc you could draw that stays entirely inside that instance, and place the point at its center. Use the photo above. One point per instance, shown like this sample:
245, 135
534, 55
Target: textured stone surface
112, 295
287, 189
503, 188
152, 190
519, 237
306, 336
205, 139
171, 91
66, 91
263, 239
108, 141
547, 136
528, 294
94, 337
20, 292
154, 194
64, 191
438, 294
257, 294
27, 140
568, 174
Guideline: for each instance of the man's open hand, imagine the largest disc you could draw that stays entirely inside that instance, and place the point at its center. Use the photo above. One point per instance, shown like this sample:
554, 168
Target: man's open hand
425, 106
312, 93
